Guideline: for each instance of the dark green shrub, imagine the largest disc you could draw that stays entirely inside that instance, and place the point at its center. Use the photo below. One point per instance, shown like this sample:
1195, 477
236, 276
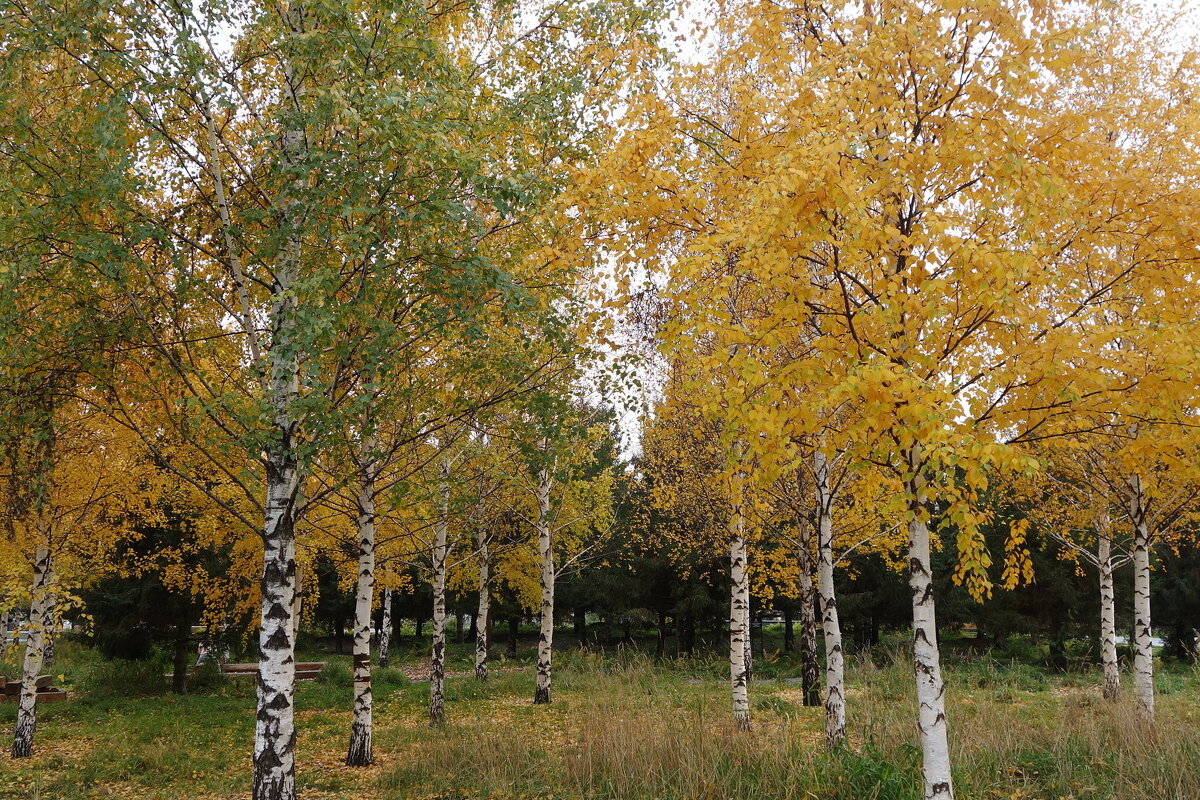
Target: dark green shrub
125, 678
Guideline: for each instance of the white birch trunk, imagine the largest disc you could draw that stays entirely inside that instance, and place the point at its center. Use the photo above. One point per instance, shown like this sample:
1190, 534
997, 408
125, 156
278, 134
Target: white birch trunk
48, 647
275, 729
437, 660
748, 627
359, 753
52, 629
931, 700
810, 676
1108, 619
39, 621
1143, 648
739, 613
298, 602
485, 597
831, 629
385, 629
541, 692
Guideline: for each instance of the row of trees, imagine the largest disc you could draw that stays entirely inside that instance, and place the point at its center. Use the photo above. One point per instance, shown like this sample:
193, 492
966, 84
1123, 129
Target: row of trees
904, 255
327, 276
304, 272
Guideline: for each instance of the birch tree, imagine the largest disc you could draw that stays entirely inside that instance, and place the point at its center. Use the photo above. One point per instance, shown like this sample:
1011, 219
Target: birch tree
486, 484
360, 750
1143, 477
872, 146
484, 593
706, 490
69, 487
564, 500
232, 193
1063, 504
441, 545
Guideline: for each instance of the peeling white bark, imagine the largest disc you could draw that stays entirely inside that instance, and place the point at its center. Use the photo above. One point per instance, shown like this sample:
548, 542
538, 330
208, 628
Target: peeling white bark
748, 627
739, 612
1143, 647
385, 629
359, 753
481, 615
542, 690
51, 631
39, 621
275, 731
810, 676
931, 700
298, 602
437, 661
1108, 618
831, 629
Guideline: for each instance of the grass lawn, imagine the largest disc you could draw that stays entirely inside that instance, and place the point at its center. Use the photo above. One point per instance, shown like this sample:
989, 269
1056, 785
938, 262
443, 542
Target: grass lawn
620, 726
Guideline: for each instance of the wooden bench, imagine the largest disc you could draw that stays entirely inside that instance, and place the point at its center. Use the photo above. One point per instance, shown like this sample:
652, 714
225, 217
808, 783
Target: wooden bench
10, 691
305, 670
14, 688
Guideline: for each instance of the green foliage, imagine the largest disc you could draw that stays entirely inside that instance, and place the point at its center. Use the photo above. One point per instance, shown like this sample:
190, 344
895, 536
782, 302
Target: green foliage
125, 678
389, 678
872, 774
1018, 648
336, 673
206, 678
774, 705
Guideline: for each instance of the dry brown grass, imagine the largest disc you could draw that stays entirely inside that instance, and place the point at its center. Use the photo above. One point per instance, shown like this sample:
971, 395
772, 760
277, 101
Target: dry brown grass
641, 735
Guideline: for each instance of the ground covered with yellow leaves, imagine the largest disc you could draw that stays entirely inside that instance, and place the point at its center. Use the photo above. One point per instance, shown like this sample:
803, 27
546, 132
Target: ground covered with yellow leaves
621, 726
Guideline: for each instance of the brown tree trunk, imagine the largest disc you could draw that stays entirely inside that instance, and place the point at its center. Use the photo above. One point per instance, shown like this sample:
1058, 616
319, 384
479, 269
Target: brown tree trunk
182, 658
514, 630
